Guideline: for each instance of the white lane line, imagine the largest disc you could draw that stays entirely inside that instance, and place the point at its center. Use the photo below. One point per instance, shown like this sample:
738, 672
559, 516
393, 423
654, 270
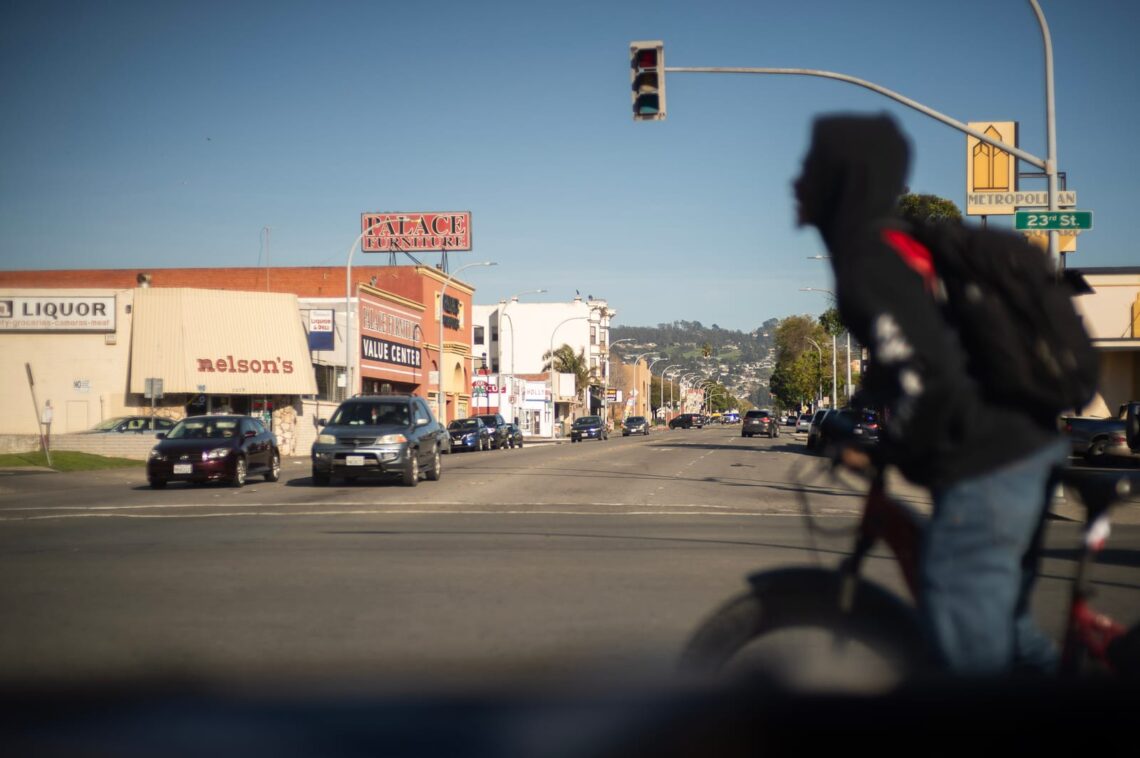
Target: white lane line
696, 511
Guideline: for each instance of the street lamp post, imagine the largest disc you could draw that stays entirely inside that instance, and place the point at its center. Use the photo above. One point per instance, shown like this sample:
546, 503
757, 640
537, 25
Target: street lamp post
442, 290
649, 390
348, 381
503, 315
553, 402
834, 352
606, 379
819, 371
664, 373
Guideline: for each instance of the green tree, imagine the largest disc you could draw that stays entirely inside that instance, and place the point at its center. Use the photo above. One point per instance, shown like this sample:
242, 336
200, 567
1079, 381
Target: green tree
928, 208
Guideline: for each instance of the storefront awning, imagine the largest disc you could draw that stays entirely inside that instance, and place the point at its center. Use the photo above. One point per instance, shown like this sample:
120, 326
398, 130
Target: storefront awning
219, 342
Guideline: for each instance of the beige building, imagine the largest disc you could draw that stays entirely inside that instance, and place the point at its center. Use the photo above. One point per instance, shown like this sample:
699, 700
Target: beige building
91, 352
1112, 317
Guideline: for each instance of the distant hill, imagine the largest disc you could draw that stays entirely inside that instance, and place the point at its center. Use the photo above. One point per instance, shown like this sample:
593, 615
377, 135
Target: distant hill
742, 361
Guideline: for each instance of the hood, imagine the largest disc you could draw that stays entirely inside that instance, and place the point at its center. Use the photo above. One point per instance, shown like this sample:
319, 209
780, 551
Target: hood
854, 172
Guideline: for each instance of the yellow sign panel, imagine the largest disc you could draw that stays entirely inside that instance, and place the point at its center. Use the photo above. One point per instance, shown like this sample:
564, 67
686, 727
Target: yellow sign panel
991, 174
1066, 243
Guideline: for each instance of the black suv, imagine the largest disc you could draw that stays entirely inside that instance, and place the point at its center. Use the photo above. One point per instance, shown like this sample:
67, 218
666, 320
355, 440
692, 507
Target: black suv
760, 422
379, 435
500, 434
687, 421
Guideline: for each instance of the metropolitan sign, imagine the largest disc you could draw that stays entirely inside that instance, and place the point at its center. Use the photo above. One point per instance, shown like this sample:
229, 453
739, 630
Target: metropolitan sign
415, 232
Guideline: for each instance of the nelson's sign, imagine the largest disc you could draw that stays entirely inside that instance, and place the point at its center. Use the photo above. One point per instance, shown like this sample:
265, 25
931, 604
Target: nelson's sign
229, 365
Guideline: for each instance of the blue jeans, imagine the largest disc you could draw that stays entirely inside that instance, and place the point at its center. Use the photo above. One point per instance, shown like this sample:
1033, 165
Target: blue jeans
978, 564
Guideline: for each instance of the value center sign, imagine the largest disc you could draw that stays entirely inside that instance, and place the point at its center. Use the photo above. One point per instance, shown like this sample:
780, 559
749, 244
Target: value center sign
1050, 221
415, 232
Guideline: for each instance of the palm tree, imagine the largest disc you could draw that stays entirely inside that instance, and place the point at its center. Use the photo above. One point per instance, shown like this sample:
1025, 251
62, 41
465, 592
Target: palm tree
567, 362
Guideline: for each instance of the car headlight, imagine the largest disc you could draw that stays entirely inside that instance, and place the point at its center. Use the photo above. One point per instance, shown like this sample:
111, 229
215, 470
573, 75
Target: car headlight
155, 455
216, 453
326, 439
391, 439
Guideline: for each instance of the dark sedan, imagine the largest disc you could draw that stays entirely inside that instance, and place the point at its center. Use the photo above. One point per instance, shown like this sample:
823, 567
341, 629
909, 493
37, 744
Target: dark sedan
635, 425
588, 428
469, 434
214, 448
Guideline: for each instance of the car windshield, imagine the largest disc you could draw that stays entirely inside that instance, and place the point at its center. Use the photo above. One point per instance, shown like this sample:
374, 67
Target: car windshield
204, 429
588, 421
633, 420
490, 420
463, 424
370, 414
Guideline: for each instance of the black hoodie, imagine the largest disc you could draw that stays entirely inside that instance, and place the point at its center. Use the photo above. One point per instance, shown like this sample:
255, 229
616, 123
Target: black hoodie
939, 428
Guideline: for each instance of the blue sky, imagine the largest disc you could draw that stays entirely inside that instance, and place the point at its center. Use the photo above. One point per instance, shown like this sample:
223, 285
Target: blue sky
159, 134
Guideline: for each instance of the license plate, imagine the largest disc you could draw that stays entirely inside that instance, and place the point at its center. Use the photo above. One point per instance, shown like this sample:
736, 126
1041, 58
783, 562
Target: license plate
183, 468
354, 460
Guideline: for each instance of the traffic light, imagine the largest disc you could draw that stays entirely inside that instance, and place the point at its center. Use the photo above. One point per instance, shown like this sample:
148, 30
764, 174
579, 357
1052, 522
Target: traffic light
647, 79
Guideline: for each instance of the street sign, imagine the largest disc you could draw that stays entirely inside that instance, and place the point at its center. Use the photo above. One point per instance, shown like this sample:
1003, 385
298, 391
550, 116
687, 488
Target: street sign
1047, 221
152, 389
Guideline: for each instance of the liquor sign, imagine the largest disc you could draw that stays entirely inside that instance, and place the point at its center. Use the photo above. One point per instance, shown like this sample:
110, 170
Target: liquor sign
415, 232
321, 324
57, 314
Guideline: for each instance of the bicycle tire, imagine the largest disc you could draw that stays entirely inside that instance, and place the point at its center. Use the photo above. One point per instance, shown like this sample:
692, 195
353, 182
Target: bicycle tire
795, 600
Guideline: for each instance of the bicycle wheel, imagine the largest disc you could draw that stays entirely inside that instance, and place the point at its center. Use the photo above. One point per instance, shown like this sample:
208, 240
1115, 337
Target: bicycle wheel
788, 629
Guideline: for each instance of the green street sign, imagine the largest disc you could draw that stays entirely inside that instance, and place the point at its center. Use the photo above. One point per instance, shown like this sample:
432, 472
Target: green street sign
1050, 221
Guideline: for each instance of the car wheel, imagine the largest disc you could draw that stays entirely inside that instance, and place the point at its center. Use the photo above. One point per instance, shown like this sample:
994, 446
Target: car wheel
157, 484
321, 479
274, 472
240, 470
436, 469
1096, 450
412, 470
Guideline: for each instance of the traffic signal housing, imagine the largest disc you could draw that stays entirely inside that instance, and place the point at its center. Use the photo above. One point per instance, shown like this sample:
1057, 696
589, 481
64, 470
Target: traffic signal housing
647, 79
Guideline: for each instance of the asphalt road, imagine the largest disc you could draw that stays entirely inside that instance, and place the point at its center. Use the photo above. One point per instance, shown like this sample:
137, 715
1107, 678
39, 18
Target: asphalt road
554, 563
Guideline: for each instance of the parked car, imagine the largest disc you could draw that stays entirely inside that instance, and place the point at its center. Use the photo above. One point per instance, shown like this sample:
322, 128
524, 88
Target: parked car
498, 426
588, 428
759, 421
379, 436
469, 434
803, 423
133, 424
635, 425
731, 417
514, 435
686, 421
791, 420
866, 426
1098, 439
815, 429
214, 448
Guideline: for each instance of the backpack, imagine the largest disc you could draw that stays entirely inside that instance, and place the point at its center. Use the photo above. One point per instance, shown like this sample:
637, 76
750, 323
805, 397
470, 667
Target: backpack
1026, 344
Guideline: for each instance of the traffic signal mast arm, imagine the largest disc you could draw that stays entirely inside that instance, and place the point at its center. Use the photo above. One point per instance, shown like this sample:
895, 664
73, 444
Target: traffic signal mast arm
1027, 157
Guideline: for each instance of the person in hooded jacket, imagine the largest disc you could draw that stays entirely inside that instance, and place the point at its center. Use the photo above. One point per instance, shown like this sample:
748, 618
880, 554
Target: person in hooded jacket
988, 466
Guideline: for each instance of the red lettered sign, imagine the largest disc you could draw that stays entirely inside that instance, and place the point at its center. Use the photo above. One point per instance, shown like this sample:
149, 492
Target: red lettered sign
415, 232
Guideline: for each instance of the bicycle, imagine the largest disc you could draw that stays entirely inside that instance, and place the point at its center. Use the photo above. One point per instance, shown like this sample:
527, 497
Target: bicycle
856, 617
